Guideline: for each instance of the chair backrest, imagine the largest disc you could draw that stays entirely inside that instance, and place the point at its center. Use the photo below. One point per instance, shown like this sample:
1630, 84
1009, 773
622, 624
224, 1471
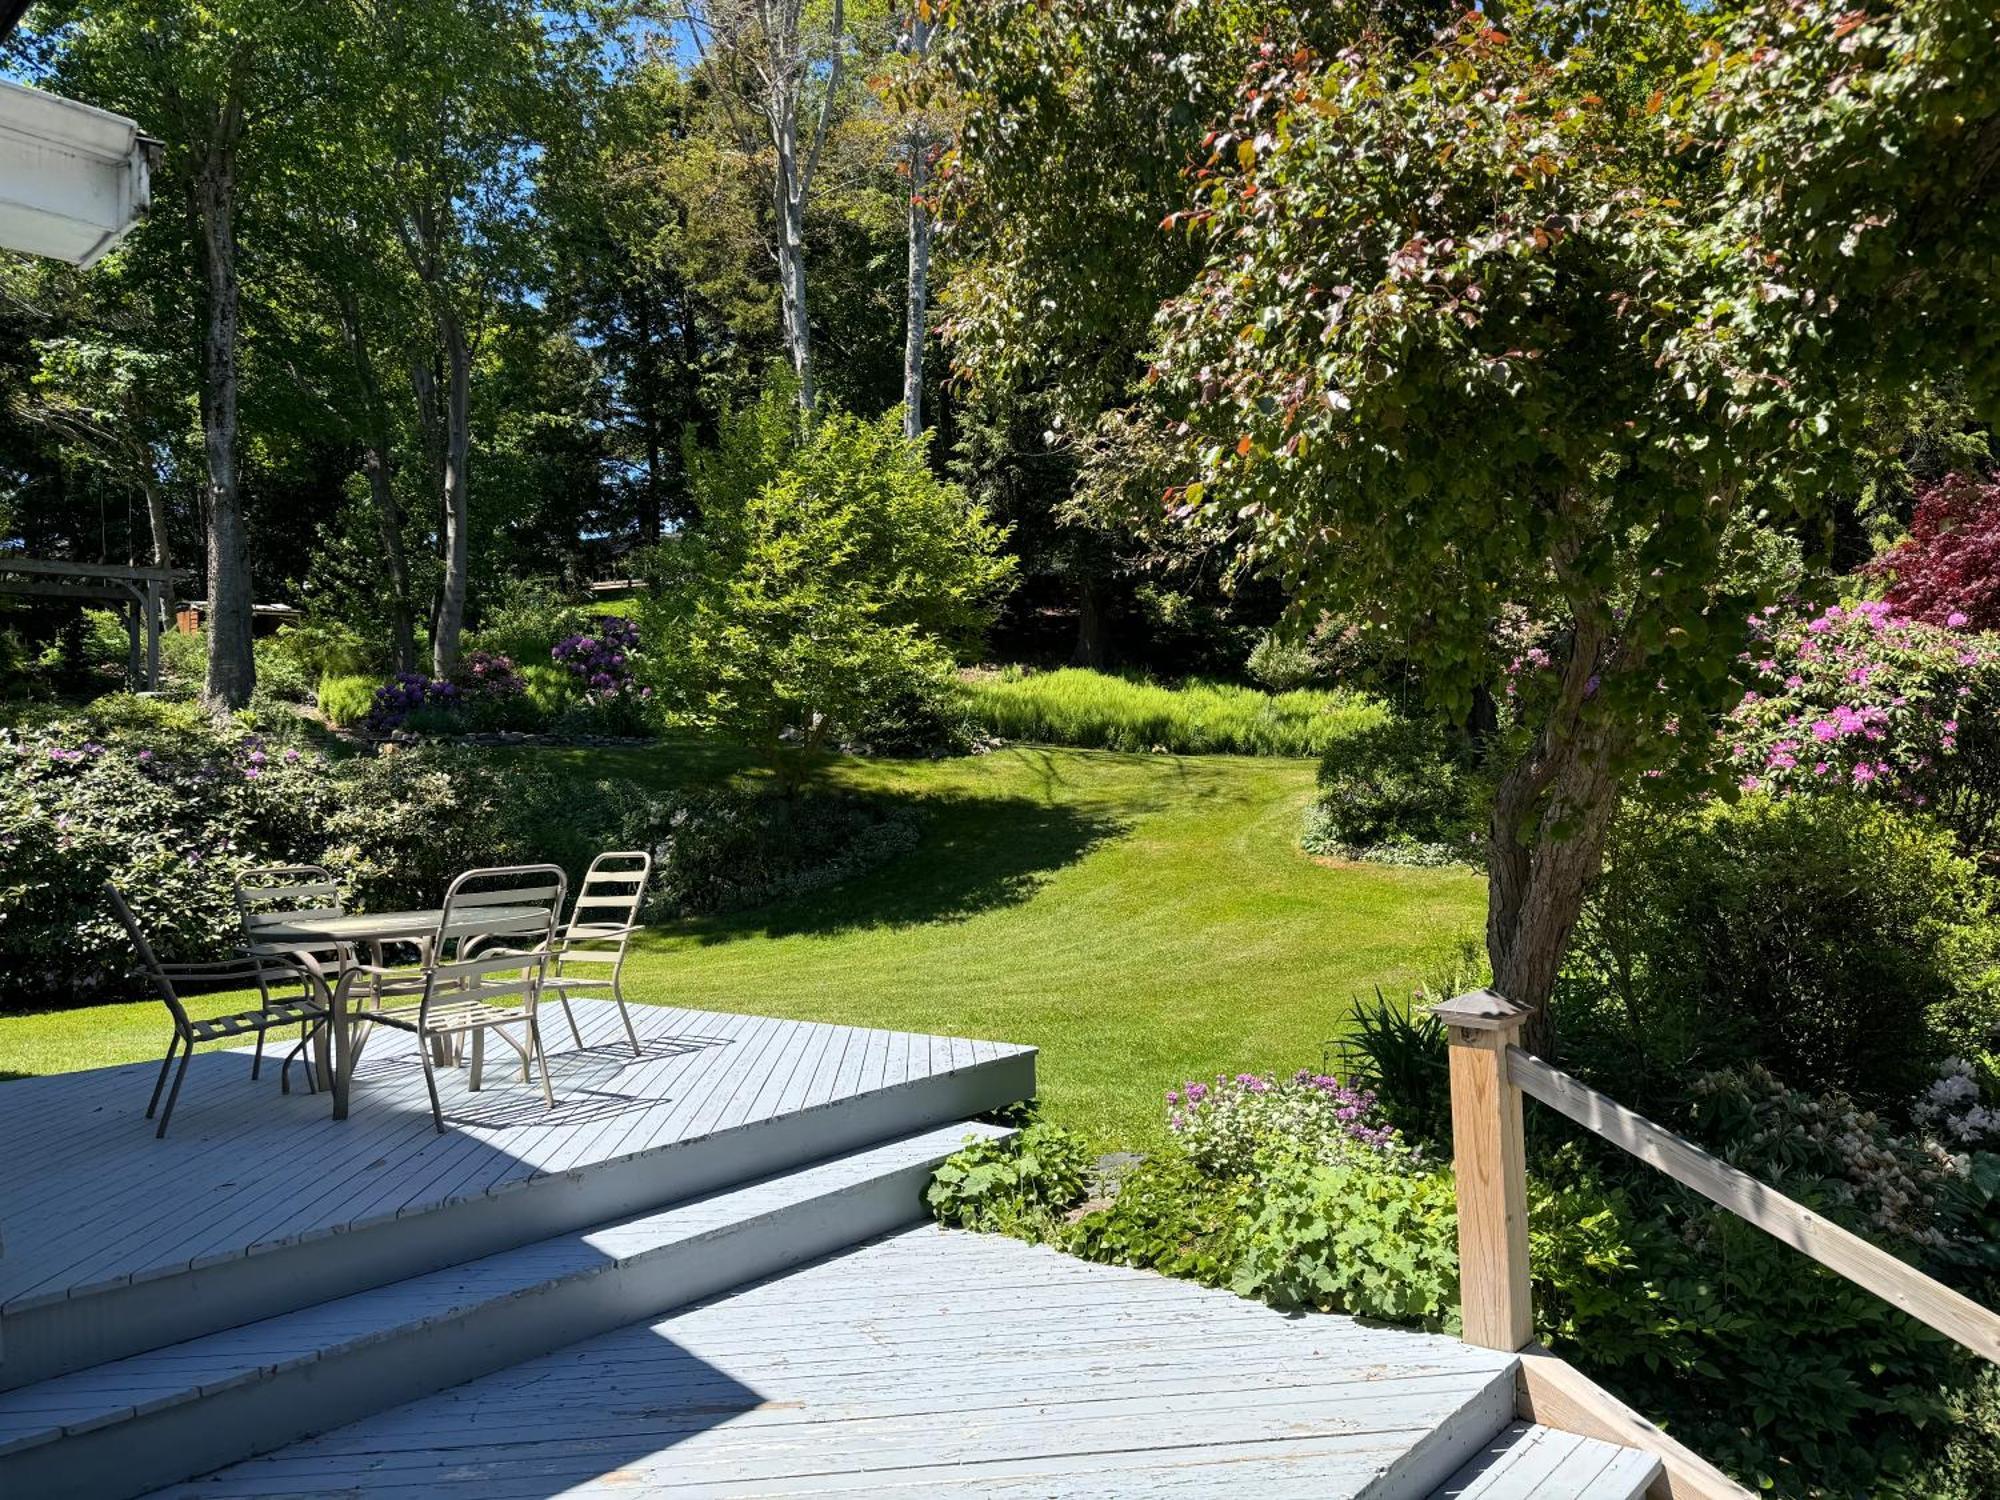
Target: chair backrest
495, 932
148, 960
607, 904
273, 895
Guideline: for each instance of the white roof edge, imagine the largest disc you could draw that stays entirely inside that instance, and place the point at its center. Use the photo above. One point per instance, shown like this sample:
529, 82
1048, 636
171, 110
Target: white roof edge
98, 132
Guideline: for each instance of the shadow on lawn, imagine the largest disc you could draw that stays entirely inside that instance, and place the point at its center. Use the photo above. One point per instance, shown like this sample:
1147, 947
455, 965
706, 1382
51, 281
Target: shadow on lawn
976, 854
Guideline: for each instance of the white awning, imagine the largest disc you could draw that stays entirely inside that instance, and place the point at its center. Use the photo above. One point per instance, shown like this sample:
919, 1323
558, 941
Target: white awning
73, 178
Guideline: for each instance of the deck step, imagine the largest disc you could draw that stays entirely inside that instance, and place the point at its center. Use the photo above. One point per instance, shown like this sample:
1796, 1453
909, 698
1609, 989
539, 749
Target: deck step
1526, 1462
125, 1427
934, 1363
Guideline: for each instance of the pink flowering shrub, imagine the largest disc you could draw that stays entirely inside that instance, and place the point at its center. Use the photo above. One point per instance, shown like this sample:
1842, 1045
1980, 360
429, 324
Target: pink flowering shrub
1224, 1125
1875, 703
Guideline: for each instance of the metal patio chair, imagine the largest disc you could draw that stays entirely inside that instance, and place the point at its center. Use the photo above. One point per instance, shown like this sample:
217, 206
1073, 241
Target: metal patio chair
248, 971
483, 971
601, 924
272, 895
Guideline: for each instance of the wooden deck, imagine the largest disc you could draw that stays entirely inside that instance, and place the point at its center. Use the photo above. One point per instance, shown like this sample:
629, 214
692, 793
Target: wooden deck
937, 1363
256, 1201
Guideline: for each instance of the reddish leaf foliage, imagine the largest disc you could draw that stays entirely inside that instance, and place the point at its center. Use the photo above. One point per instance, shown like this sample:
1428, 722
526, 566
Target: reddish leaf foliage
1948, 572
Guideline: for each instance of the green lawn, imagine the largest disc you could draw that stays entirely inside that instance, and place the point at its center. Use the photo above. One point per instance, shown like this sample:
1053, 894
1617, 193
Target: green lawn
1139, 918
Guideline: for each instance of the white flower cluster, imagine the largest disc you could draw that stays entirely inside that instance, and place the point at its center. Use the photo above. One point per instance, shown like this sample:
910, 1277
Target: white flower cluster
1950, 1109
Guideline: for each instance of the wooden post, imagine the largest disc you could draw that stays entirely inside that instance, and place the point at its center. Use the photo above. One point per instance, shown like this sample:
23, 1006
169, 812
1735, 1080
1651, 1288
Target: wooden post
1490, 1161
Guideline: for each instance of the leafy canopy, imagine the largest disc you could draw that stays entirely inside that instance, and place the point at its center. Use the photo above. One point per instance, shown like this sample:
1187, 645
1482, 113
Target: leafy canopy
1433, 369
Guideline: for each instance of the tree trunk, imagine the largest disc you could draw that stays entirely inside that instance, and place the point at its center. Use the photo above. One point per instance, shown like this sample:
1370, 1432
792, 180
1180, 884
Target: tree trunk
1089, 651
919, 146
919, 290
789, 203
457, 462
646, 367
232, 669
375, 458
1551, 813
163, 547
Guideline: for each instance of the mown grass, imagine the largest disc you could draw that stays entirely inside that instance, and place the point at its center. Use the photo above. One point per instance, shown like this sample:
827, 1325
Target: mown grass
1140, 918
1075, 706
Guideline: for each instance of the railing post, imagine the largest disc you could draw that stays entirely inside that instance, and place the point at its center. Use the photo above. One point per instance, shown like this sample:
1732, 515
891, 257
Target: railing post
1489, 1158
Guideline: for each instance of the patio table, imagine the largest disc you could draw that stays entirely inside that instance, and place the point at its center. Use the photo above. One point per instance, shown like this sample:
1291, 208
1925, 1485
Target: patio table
369, 930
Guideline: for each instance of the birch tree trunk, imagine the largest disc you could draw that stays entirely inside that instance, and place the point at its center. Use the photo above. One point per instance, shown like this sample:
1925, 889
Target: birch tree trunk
457, 463
917, 149
232, 670
755, 56
790, 184
163, 545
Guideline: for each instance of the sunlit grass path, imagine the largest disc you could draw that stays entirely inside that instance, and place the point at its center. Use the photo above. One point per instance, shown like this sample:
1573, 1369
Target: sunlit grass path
1139, 918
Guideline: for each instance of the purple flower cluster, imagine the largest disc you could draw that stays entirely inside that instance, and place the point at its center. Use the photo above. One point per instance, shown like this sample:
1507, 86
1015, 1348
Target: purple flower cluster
482, 676
401, 696
1858, 696
602, 661
1224, 1125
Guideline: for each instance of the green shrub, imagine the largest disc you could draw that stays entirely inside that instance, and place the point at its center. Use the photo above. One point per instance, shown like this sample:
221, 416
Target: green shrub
1843, 944
549, 690
183, 664
726, 850
1075, 706
1284, 666
172, 809
282, 677
1667, 1300
323, 648
827, 589
1014, 1185
1370, 1236
525, 617
1394, 789
345, 700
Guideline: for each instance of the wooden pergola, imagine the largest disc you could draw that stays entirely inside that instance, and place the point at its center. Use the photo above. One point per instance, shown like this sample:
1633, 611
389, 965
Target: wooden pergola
139, 592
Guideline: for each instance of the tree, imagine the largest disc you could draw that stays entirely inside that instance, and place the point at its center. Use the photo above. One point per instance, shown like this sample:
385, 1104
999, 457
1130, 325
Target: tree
764, 61
1860, 234
442, 164
216, 83
1948, 570
1438, 372
828, 588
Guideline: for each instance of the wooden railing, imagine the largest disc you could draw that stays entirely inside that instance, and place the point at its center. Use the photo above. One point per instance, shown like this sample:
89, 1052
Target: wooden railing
1489, 1074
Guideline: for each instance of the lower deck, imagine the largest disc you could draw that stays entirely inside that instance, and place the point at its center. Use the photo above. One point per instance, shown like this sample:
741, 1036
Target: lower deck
936, 1363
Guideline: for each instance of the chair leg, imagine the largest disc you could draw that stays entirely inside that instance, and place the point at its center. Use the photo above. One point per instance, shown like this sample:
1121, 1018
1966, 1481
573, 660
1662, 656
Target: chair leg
478, 1059
257, 1058
303, 1052
174, 1093
161, 1082
430, 1081
541, 1060
562, 996
618, 994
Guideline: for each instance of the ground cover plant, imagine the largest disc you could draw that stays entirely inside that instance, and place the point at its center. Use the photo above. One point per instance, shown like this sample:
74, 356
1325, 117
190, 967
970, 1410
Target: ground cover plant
1076, 706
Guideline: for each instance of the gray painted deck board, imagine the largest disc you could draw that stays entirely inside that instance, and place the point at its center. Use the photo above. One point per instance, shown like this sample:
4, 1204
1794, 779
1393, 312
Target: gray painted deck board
932, 1363
1526, 1462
